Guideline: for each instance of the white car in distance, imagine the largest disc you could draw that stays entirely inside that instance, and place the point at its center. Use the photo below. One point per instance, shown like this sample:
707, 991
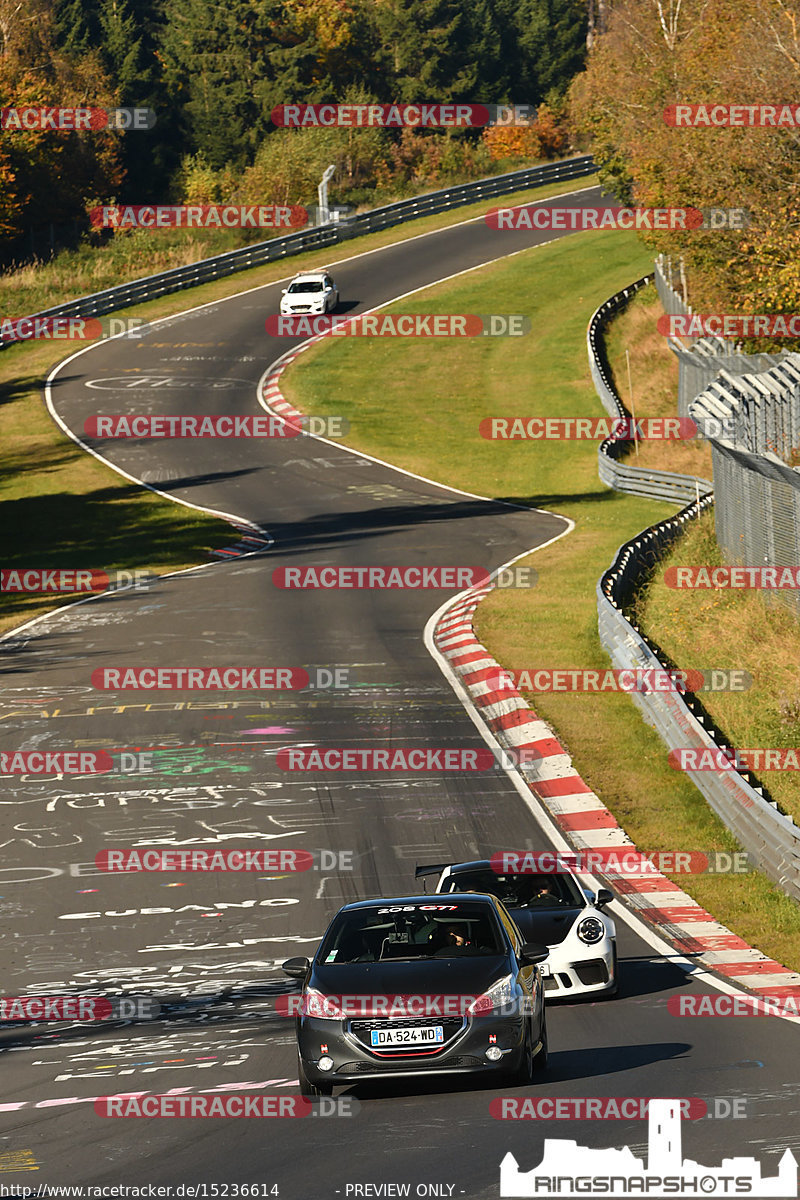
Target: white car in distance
310, 292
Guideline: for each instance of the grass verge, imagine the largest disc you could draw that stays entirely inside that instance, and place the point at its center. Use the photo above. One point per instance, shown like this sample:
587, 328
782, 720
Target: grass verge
403, 406
727, 628
61, 507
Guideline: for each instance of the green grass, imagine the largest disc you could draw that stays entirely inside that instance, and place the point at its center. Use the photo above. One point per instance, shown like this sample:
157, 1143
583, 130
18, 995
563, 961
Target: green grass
63, 508
739, 630
418, 404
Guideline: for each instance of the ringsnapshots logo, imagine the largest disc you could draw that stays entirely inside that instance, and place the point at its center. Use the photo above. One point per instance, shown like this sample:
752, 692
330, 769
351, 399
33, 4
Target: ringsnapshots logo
401, 116
541, 216
198, 216
437, 578
75, 120
722, 116
402, 325
567, 1169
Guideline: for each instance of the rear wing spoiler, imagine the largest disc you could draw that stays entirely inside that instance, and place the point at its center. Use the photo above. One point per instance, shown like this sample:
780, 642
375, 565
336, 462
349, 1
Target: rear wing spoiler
431, 869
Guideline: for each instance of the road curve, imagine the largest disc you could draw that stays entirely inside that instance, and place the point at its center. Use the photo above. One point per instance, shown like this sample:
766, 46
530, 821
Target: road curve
209, 947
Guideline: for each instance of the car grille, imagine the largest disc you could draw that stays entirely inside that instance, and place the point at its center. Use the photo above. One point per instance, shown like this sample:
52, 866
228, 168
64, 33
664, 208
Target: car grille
451, 1026
300, 308
552, 983
368, 1068
591, 972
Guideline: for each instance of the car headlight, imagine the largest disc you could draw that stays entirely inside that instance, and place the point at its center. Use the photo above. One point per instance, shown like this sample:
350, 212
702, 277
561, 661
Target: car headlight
591, 930
315, 1004
501, 995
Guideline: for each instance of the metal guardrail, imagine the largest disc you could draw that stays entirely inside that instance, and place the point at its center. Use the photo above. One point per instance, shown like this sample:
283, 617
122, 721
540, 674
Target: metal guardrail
769, 836
319, 237
622, 476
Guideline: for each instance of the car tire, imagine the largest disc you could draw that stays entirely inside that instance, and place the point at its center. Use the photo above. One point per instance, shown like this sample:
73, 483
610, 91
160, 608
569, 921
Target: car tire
523, 1075
307, 1088
540, 1057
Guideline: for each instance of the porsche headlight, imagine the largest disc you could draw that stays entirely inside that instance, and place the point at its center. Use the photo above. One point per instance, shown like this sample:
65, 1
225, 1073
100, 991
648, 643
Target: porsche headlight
591, 930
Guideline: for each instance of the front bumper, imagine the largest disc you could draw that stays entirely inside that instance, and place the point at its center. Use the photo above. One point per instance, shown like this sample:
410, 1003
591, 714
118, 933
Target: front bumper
463, 1051
573, 975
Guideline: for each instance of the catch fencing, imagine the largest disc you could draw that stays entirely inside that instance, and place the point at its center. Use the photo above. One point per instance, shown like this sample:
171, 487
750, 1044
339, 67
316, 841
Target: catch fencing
757, 487
770, 836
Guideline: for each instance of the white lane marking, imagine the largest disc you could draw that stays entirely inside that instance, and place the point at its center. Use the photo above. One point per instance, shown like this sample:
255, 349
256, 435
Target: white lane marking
295, 350
548, 826
231, 516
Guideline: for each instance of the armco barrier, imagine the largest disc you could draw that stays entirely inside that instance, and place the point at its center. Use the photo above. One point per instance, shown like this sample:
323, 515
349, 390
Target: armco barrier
319, 237
637, 481
769, 835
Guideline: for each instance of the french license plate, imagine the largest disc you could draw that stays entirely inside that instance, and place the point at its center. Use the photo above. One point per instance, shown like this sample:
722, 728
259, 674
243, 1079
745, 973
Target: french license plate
428, 1035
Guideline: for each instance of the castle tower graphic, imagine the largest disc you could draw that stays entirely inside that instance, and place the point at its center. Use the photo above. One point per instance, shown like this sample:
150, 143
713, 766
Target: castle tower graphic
566, 1167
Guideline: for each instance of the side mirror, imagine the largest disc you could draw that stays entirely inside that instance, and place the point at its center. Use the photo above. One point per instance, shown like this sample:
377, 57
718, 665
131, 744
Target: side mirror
604, 896
284, 291
296, 967
533, 952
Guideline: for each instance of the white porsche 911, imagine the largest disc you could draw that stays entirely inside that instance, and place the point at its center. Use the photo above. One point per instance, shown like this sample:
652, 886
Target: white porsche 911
555, 910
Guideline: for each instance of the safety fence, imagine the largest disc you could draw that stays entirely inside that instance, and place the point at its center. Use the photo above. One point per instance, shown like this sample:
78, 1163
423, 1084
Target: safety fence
770, 836
757, 487
623, 476
317, 238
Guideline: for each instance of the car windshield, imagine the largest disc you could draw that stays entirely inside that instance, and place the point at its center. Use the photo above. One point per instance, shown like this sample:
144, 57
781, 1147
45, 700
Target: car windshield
520, 891
411, 932
306, 285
